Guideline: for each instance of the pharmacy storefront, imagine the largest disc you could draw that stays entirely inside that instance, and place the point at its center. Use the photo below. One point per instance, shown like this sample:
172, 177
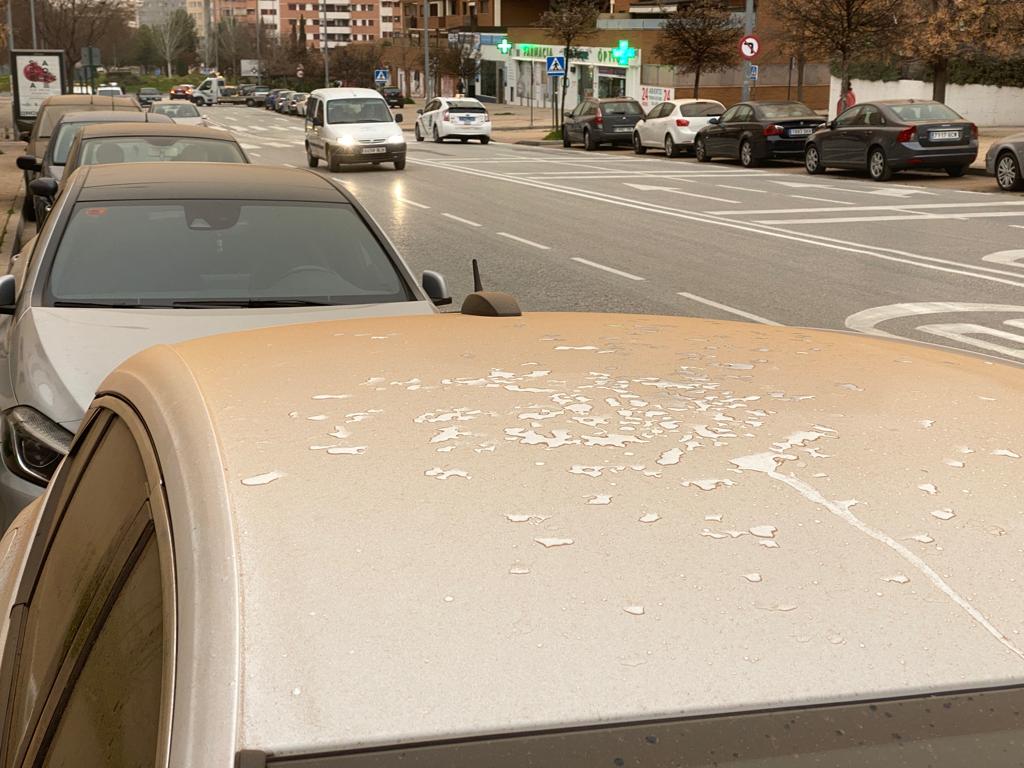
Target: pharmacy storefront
520, 72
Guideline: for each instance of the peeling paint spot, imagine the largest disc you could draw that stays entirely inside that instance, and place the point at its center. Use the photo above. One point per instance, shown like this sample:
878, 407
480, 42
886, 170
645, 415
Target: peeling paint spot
1005, 452
924, 538
518, 570
754, 578
582, 469
331, 397
267, 477
534, 519
318, 417
898, 578
770, 543
781, 607
954, 463
558, 438
713, 518
712, 534
562, 348
444, 474
340, 432
929, 488
554, 542
708, 484
944, 514
650, 517
670, 457
448, 433
926, 423
764, 531
599, 500
634, 610
354, 450
851, 387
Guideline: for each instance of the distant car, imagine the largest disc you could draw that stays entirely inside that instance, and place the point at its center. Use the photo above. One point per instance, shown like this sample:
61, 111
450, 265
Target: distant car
883, 137
50, 112
753, 131
453, 118
231, 94
183, 91
50, 167
148, 95
137, 143
601, 121
271, 97
291, 103
393, 96
183, 114
346, 126
673, 125
281, 102
1005, 161
256, 95
299, 105
141, 254
109, 89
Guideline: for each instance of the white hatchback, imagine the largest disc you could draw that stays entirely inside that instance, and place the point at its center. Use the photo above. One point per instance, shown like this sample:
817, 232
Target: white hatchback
444, 118
672, 125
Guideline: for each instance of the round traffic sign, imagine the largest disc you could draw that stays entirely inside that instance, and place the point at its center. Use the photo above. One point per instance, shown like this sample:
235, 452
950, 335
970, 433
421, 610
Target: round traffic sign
750, 46
299, 72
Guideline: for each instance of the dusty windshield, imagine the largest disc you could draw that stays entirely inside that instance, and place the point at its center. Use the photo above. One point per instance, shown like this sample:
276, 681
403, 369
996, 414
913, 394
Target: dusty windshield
175, 110
359, 110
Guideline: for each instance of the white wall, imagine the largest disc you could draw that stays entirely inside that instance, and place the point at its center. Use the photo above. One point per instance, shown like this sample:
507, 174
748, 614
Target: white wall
982, 104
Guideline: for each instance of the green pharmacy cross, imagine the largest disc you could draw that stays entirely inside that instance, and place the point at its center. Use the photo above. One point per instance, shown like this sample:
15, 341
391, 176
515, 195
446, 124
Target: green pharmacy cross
623, 54
505, 46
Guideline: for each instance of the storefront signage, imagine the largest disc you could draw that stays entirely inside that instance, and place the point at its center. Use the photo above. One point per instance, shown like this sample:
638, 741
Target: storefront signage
622, 56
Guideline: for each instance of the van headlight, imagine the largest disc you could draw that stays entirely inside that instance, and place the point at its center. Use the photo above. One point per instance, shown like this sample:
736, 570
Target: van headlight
32, 445
396, 139
346, 141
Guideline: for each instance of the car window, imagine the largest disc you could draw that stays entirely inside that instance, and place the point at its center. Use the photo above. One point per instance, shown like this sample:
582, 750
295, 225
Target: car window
784, 110
61, 140
661, 110
53, 113
320, 110
744, 114
89, 528
730, 114
924, 111
872, 116
621, 108
850, 117
359, 110
701, 109
112, 716
176, 110
150, 149
224, 250
590, 110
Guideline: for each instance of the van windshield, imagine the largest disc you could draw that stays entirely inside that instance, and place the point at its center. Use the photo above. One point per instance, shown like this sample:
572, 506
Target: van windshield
369, 110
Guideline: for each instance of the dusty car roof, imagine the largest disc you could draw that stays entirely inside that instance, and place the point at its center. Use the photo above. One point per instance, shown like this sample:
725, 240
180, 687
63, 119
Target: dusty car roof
84, 98
113, 117
226, 181
160, 125
450, 526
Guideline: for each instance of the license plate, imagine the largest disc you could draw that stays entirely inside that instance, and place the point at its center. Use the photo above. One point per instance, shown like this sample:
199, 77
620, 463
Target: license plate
801, 131
374, 150
623, 129
466, 119
943, 135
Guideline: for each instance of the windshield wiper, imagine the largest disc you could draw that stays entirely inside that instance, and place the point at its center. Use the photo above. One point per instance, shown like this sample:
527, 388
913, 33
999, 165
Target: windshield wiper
101, 304
214, 303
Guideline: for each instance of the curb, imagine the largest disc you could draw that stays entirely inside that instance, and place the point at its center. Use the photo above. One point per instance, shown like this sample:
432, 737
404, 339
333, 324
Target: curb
976, 171
540, 142
10, 237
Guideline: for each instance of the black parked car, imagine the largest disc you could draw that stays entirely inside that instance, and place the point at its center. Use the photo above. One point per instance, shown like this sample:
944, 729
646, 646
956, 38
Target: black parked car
148, 95
601, 121
393, 96
752, 131
887, 136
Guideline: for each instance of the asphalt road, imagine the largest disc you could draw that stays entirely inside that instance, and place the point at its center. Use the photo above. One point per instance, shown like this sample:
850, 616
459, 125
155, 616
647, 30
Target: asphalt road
928, 258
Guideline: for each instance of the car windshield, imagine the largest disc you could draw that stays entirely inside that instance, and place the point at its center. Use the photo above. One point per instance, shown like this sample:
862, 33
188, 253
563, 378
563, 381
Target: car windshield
221, 251
54, 112
148, 149
786, 109
358, 110
924, 111
150, 92
621, 108
176, 109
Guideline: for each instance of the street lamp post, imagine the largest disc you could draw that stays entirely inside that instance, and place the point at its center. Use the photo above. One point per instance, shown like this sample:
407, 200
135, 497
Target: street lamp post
323, 44
259, 34
32, 13
426, 50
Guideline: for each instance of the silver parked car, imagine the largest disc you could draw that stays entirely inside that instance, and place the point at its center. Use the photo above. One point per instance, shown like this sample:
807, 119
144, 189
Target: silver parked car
136, 254
466, 542
1005, 161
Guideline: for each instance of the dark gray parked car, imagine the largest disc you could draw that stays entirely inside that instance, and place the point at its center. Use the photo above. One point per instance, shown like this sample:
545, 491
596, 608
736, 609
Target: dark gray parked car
752, 131
601, 121
887, 136
1005, 161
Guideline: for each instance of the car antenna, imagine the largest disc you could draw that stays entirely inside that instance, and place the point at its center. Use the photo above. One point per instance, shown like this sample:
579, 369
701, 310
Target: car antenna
489, 303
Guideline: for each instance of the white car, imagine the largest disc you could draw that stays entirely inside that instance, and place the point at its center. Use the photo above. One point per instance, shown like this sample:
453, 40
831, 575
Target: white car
346, 126
673, 125
445, 118
183, 112
109, 90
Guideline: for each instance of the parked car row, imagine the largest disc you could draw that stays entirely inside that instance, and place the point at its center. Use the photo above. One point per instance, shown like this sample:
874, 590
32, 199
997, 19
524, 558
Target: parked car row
880, 138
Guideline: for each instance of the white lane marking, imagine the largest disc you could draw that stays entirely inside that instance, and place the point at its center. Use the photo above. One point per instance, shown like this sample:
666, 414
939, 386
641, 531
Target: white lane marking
727, 308
918, 216
743, 189
820, 241
524, 241
671, 190
453, 217
254, 154
893, 207
614, 271
822, 199
900, 191
967, 333
1017, 226
1006, 257
412, 203
868, 320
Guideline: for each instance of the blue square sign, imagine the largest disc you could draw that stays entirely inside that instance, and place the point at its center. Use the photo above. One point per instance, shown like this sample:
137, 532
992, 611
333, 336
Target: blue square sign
380, 75
556, 66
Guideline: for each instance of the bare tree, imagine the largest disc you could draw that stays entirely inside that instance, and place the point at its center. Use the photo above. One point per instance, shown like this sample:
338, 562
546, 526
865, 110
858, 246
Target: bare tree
73, 24
570, 21
460, 60
842, 29
699, 37
173, 35
354, 64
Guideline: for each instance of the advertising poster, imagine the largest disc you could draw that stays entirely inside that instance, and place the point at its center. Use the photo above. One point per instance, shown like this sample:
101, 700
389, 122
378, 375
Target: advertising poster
36, 75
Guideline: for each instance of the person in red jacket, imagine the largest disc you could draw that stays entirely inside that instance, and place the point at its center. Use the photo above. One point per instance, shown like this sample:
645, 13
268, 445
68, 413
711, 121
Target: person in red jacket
850, 101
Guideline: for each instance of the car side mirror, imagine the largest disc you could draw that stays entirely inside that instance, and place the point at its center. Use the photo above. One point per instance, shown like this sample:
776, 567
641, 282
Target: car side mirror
29, 163
24, 135
714, 120
567, 113
436, 288
419, 111
398, 117
8, 294
44, 187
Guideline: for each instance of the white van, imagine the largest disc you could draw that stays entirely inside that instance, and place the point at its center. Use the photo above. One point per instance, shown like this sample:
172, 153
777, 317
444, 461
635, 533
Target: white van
208, 91
352, 125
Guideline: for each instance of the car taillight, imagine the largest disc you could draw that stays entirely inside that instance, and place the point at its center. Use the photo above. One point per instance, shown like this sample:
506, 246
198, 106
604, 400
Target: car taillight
487, 117
444, 116
682, 122
599, 119
974, 131
907, 134
773, 130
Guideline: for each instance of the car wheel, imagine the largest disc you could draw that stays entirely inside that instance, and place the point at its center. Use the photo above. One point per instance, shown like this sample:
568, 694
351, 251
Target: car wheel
437, 136
400, 164
956, 171
671, 150
638, 146
588, 141
812, 160
250, 103
311, 161
1008, 174
878, 166
700, 150
747, 154
565, 136
416, 132
485, 139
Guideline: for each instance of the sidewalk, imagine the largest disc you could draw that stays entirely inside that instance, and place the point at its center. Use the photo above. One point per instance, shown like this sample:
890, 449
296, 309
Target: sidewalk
12, 187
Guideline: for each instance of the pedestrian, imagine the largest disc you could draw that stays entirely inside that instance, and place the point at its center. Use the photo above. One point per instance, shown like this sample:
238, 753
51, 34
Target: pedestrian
851, 99
461, 87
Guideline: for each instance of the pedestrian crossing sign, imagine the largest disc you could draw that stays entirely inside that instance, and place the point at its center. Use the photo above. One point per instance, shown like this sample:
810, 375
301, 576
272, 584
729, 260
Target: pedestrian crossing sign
380, 76
556, 66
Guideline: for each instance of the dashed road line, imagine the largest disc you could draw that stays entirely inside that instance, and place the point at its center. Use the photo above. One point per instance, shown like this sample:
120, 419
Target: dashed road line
671, 190
727, 308
614, 271
822, 199
525, 241
412, 203
742, 189
910, 215
453, 217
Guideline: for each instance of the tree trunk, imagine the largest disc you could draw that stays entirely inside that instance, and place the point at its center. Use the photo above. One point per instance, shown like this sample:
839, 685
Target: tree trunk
844, 83
169, 73
940, 73
800, 63
696, 83
565, 77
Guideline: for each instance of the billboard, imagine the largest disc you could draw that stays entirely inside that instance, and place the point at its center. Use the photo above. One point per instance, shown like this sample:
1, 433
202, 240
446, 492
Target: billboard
250, 68
36, 75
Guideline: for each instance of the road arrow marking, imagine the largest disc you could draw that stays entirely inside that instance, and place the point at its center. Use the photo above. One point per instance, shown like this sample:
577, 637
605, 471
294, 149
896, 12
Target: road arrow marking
649, 188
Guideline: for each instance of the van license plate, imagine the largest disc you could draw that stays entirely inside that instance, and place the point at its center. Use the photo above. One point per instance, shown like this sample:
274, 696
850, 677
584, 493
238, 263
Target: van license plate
374, 150
944, 135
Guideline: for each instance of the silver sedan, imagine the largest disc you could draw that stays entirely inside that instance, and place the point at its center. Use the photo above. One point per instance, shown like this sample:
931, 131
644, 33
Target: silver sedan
1003, 160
